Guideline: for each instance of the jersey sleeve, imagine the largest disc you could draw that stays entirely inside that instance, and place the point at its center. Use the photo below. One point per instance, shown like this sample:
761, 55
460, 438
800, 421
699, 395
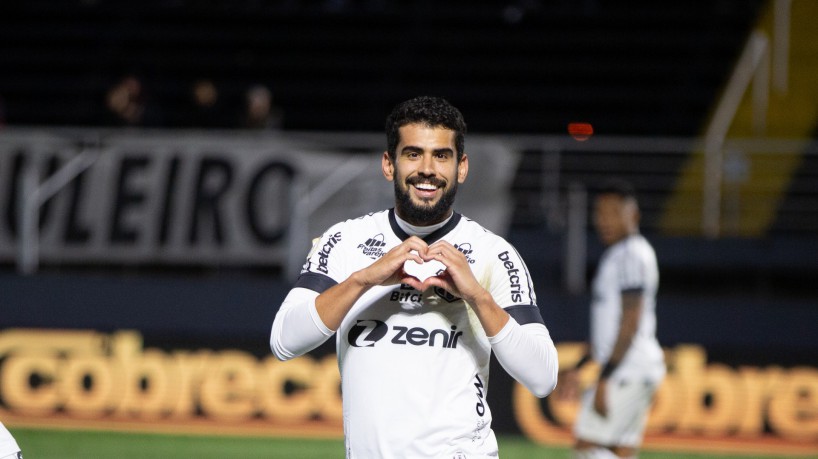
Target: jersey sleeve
528, 354
297, 328
511, 285
631, 271
325, 265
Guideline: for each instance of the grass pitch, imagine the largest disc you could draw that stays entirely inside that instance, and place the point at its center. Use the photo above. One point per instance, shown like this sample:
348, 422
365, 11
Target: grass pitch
69, 444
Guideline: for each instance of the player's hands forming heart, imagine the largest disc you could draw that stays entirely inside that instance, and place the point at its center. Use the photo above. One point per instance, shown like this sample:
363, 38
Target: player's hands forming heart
423, 271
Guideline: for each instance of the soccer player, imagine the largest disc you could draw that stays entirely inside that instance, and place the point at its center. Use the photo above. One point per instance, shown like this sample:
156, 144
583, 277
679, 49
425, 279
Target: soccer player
413, 351
8, 447
612, 418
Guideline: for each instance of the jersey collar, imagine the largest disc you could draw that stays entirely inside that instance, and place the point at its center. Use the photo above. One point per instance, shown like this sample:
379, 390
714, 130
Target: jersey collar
442, 231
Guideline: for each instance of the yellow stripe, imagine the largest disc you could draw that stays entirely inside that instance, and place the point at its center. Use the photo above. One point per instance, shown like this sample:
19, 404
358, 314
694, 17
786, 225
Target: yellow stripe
749, 206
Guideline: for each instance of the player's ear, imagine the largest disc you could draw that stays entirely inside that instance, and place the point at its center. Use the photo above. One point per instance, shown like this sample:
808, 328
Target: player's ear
387, 166
463, 168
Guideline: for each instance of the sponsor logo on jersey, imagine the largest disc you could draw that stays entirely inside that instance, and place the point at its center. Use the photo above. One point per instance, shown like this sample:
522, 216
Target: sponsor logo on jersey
480, 407
323, 254
406, 294
373, 247
366, 333
478, 428
465, 249
513, 277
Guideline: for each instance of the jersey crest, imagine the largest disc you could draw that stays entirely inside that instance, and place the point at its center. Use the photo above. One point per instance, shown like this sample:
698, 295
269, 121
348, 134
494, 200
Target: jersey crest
446, 295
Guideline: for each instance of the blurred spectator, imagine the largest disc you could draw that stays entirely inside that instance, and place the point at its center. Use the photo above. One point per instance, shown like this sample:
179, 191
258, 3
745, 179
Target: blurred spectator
128, 104
207, 108
259, 109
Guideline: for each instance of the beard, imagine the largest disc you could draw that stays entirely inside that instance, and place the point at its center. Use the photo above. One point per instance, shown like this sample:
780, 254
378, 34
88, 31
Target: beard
424, 214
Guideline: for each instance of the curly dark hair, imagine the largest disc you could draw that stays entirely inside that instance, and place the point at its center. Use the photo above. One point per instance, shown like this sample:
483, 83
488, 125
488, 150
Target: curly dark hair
429, 111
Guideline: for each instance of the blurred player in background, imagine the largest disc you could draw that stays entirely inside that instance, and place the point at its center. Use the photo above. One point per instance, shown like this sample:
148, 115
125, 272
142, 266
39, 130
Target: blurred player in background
8, 447
414, 351
612, 418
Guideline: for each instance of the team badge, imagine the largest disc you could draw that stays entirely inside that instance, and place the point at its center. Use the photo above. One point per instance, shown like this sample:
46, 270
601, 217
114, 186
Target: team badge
446, 295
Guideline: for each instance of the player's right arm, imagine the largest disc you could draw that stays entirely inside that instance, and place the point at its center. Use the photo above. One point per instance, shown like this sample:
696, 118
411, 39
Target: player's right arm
316, 306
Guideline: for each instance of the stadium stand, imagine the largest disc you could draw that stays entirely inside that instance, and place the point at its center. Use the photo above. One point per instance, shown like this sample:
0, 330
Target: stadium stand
634, 67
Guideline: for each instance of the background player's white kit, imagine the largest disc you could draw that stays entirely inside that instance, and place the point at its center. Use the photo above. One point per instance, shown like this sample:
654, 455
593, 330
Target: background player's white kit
628, 266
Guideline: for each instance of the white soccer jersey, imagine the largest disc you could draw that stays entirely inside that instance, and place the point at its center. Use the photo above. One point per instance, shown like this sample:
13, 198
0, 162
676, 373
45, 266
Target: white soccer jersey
7, 444
415, 366
627, 266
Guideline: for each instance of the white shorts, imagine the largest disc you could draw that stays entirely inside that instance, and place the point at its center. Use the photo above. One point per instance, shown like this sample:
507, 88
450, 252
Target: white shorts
628, 406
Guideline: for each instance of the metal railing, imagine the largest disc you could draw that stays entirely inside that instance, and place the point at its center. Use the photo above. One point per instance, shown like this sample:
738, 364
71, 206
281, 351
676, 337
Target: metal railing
761, 65
753, 67
563, 170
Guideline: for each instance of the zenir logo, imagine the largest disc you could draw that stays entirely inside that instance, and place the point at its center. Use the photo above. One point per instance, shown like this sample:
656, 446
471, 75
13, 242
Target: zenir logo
373, 247
365, 333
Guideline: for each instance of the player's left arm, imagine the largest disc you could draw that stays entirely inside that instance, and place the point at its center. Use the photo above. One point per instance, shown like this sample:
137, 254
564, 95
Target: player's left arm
632, 301
520, 340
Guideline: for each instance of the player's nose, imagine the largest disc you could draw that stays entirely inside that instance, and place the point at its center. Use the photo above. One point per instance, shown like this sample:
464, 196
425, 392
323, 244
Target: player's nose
426, 166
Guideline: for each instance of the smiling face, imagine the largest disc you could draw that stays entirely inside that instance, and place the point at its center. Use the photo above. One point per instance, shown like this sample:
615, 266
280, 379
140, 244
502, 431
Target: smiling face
426, 173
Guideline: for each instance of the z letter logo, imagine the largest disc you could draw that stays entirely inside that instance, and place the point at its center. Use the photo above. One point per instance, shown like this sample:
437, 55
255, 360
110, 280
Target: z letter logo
365, 333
